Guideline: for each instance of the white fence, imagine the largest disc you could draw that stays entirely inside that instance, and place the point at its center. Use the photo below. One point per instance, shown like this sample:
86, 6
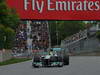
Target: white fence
74, 38
75, 42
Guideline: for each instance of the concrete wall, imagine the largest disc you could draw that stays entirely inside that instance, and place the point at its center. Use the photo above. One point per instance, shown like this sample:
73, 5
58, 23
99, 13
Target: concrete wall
0, 56
5, 55
86, 45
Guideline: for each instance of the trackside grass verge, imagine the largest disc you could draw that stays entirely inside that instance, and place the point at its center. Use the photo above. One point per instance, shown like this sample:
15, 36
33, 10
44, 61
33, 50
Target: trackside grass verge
14, 60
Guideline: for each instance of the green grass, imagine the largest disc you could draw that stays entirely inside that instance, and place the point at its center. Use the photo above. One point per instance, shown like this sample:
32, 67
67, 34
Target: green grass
14, 60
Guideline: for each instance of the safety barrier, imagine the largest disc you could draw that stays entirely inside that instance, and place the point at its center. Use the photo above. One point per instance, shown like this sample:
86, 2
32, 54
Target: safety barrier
5, 55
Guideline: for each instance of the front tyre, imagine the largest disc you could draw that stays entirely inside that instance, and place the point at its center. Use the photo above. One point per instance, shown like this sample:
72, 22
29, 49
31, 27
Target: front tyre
35, 66
60, 65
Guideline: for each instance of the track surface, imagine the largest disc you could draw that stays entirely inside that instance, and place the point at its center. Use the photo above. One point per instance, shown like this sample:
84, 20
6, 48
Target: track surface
78, 66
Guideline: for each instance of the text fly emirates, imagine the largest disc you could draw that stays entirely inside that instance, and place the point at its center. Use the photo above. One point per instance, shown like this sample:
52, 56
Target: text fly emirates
62, 5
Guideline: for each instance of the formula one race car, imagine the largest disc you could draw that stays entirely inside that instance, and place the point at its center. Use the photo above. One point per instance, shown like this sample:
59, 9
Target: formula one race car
50, 59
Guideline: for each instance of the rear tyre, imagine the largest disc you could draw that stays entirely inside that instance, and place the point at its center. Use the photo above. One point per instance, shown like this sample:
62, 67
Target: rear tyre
66, 60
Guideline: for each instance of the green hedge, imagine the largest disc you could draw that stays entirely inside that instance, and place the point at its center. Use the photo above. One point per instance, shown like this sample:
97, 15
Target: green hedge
14, 60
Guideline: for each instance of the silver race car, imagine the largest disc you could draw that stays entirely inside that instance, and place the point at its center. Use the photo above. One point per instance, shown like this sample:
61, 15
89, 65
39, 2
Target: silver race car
50, 59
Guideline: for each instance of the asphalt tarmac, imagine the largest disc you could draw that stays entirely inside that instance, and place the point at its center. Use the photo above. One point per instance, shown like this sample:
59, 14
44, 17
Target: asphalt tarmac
79, 65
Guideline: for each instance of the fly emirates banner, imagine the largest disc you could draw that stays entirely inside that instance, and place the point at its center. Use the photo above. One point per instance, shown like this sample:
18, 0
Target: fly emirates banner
56, 9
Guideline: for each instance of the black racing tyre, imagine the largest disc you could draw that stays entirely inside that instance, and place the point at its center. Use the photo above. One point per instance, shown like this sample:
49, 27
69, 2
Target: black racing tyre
35, 66
66, 60
36, 59
60, 65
